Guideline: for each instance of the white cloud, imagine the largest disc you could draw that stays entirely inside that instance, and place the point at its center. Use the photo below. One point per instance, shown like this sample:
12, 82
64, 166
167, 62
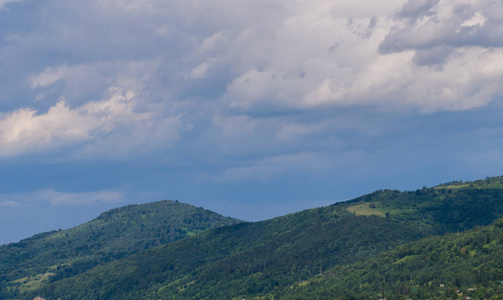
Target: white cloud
24, 130
315, 60
211, 42
27, 131
478, 19
49, 76
200, 71
81, 80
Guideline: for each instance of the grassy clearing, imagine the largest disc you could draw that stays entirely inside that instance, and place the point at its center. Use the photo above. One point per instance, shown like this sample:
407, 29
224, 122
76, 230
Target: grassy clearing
453, 187
404, 259
32, 283
363, 209
476, 184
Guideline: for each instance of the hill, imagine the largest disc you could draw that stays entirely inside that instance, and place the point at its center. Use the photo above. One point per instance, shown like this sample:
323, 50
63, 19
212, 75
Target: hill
115, 234
253, 259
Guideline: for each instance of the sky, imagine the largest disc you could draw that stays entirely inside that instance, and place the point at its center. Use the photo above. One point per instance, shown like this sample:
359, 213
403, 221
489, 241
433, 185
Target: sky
250, 108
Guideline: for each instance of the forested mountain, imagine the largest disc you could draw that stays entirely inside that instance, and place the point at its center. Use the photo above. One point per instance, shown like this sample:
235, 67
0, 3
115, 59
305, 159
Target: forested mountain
241, 260
453, 266
267, 258
117, 233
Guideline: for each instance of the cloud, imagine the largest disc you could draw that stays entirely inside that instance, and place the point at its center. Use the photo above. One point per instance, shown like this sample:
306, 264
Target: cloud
416, 8
50, 76
230, 72
373, 61
86, 198
478, 20
292, 131
56, 198
78, 82
236, 125
200, 71
448, 23
265, 88
3, 2
27, 131
8, 203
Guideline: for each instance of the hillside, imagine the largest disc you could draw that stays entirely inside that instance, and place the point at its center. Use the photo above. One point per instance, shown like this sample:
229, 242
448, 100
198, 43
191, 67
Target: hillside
243, 259
115, 234
452, 266
252, 259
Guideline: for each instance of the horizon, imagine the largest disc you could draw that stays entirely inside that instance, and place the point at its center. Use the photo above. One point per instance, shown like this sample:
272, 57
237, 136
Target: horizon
290, 211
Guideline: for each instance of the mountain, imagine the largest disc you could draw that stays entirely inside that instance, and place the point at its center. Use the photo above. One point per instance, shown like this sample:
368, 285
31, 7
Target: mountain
115, 234
249, 260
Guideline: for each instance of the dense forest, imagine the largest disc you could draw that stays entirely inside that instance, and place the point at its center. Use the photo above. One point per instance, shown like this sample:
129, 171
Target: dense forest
117, 233
241, 260
453, 266
393, 244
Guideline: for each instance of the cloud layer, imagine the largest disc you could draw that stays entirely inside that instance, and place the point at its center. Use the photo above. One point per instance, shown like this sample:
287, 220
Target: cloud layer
254, 83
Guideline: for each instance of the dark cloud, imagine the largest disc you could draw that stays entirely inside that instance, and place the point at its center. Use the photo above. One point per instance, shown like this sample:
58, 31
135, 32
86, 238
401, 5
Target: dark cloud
434, 28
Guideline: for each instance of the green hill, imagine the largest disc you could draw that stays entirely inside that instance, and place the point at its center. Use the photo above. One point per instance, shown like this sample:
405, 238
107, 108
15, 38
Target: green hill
115, 234
264, 258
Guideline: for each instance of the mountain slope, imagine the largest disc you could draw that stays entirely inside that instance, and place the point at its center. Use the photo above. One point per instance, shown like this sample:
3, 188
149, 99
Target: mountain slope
114, 234
439, 267
242, 259
252, 259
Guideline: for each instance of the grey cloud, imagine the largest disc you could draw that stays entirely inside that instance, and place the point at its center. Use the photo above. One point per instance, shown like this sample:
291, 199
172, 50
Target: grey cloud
434, 56
359, 28
416, 8
189, 63
60, 198
436, 27
86, 198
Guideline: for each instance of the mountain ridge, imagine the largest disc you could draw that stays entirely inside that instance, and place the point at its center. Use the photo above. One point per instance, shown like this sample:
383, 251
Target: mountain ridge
252, 259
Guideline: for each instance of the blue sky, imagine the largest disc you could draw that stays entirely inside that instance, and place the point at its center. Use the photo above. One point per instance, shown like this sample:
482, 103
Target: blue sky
250, 108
